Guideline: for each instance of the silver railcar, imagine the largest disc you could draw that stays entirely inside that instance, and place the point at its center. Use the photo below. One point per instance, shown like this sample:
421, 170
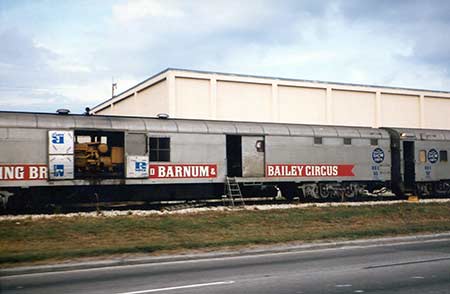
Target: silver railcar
60, 155
421, 161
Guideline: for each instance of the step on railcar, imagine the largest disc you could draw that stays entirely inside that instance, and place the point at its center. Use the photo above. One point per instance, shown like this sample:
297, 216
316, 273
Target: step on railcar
56, 159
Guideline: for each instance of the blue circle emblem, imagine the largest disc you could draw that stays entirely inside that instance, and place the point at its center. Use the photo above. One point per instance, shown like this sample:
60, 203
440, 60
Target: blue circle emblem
378, 155
433, 156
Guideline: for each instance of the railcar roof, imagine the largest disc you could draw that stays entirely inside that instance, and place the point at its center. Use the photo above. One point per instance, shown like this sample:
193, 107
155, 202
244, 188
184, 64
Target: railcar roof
422, 134
149, 124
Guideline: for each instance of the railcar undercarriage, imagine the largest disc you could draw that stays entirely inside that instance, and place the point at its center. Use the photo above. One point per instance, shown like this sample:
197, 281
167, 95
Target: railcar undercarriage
46, 199
441, 188
349, 191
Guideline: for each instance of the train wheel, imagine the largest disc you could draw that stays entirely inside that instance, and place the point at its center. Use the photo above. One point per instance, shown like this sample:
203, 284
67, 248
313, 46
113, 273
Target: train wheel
311, 190
349, 192
4, 198
324, 191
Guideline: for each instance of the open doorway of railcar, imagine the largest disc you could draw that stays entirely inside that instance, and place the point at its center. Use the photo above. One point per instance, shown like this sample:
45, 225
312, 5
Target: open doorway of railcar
99, 154
409, 174
234, 155
245, 156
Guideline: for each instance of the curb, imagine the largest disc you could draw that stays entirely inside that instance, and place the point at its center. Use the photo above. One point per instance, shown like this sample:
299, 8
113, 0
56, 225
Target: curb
219, 254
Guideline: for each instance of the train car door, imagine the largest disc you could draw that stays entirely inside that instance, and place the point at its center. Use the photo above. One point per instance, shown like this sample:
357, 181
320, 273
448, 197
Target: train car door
409, 175
253, 157
234, 156
61, 154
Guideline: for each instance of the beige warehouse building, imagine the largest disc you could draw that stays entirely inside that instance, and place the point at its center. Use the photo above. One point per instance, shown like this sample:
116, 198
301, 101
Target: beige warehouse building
221, 96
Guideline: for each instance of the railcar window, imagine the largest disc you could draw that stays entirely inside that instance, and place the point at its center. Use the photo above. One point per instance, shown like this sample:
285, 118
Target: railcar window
374, 142
259, 146
159, 149
443, 155
317, 140
347, 141
422, 156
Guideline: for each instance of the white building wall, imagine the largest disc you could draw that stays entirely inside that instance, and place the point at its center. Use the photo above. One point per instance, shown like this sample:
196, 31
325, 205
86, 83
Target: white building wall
192, 97
301, 105
106, 111
353, 108
124, 106
400, 111
146, 100
203, 95
237, 101
436, 113
150, 101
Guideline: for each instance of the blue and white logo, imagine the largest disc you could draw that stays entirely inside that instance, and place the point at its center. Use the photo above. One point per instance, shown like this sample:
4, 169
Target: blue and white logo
58, 170
58, 138
378, 155
140, 166
433, 156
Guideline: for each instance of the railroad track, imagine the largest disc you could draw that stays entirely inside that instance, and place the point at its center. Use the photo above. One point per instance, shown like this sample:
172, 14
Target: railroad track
168, 205
116, 209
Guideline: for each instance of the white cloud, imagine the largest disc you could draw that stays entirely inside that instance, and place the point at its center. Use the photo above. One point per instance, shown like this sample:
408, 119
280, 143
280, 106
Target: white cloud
137, 10
21, 102
333, 48
170, 18
95, 91
135, 39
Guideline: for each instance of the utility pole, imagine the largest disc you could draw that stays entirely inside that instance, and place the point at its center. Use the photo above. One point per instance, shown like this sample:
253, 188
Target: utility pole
113, 87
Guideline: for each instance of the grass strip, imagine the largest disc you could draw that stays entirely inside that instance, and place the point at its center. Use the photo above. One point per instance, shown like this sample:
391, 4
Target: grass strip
30, 241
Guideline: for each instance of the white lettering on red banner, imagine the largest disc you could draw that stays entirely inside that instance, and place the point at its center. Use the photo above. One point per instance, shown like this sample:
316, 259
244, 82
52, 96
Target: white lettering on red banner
174, 171
23, 172
310, 170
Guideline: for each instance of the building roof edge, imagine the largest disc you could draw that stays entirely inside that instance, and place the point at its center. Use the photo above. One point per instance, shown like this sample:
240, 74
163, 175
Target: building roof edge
267, 77
135, 86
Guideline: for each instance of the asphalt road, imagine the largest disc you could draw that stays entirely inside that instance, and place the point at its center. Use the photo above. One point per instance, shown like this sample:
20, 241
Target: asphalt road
413, 267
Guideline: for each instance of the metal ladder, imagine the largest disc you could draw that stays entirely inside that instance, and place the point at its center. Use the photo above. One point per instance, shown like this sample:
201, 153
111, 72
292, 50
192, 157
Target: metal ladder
233, 191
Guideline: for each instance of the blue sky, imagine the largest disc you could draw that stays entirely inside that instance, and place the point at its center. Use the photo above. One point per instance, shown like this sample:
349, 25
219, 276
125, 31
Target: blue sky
63, 54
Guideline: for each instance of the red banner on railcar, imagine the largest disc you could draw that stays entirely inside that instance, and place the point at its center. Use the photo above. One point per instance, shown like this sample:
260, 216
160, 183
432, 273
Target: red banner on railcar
310, 170
182, 171
23, 172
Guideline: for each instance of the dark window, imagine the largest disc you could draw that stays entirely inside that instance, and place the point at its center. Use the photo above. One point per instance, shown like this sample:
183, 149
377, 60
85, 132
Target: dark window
374, 142
259, 146
443, 155
317, 140
347, 141
159, 149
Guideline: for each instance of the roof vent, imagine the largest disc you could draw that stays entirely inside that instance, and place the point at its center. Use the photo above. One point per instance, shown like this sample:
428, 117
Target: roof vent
63, 111
162, 115
407, 135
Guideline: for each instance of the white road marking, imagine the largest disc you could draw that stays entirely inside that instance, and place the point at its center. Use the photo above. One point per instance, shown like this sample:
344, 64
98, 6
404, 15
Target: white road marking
417, 277
179, 287
408, 263
344, 285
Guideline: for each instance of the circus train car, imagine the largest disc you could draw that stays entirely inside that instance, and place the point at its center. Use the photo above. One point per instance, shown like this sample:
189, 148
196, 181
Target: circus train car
61, 158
